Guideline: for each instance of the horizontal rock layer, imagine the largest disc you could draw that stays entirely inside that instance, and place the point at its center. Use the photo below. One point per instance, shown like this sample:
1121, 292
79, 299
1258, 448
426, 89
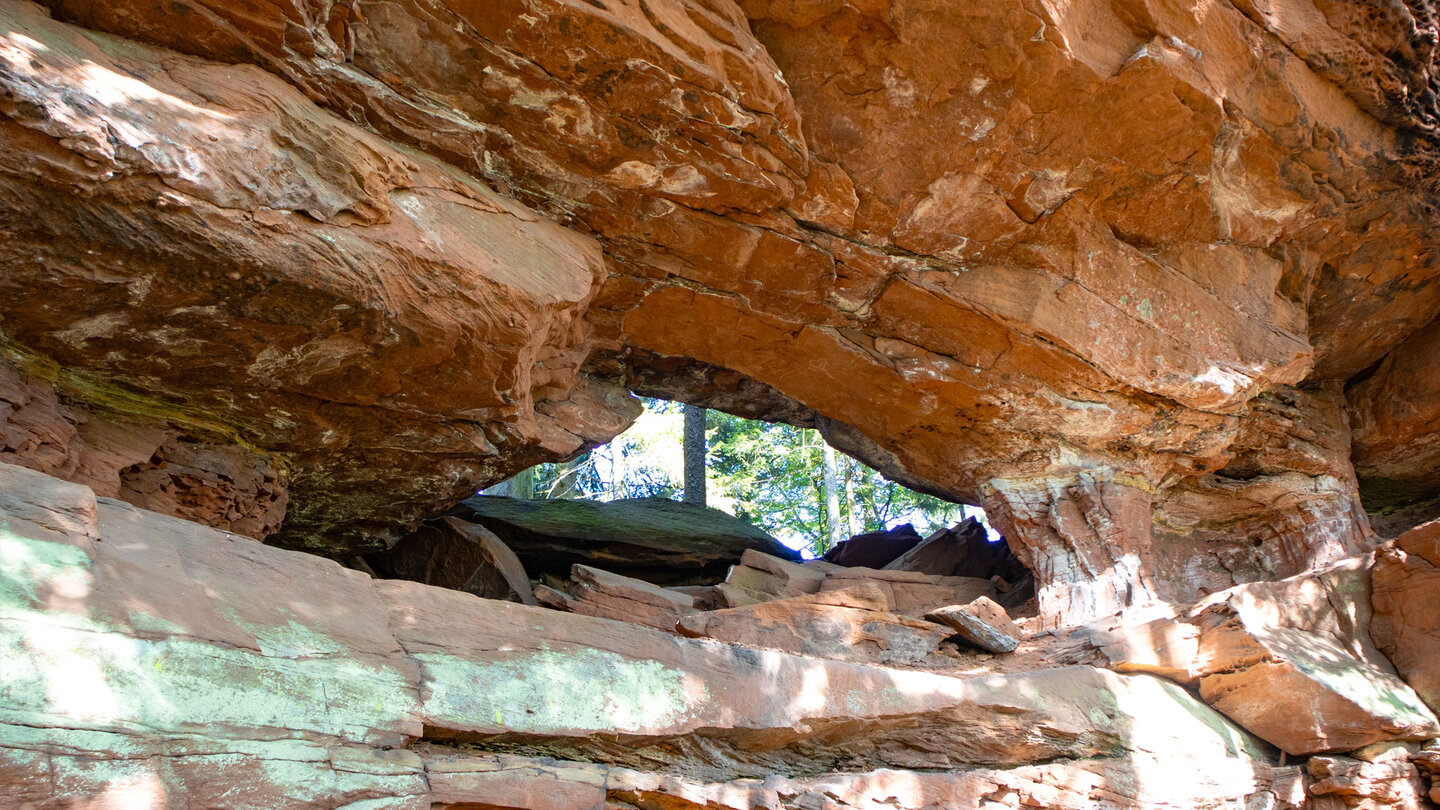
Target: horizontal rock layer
152, 659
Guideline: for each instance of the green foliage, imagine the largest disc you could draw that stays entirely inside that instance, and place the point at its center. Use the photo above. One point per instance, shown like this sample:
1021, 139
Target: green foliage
775, 477
768, 474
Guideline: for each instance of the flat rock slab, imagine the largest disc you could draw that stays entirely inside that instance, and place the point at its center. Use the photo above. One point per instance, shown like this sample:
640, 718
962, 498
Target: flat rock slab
911, 593
460, 779
146, 656
606, 595
981, 623
655, 539
1164, 647
815, 625
500, 673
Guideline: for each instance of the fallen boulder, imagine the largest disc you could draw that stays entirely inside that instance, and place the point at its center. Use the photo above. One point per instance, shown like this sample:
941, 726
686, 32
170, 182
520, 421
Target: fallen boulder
607, 595
963, 550
981, 623
845, 625
873, 549
1266, 645
655, 539
1256, 651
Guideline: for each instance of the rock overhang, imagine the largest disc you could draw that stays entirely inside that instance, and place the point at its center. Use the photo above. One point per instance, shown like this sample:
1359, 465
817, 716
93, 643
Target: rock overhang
1122, 238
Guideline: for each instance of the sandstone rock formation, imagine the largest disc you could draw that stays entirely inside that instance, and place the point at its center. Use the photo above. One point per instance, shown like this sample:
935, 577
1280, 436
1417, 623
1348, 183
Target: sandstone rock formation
854, 624
981, 623
964, 550
159, 662
1290, 661
1154, 283
1380, 776
1397, 433
874, 549
1101, 264
761, 577
1406, 625
117, 188
600, 593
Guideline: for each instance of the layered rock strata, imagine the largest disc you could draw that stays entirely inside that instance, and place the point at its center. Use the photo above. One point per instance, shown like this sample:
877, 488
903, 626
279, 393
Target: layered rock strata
154, 660
200, 245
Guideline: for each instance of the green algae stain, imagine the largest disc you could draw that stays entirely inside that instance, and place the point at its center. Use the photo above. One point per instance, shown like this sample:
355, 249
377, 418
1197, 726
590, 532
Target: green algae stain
553, 691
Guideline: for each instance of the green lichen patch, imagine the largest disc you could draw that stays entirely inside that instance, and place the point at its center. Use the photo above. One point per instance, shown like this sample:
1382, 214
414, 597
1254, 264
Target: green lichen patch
91, 677
555, 692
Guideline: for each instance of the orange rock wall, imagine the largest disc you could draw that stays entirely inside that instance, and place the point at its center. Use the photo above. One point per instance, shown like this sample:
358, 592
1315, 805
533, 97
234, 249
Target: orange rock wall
408, 247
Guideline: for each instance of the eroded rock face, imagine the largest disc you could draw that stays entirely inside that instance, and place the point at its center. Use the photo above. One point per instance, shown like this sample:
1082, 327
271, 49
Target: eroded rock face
1397, 433
978, 248
202, 243
139, 459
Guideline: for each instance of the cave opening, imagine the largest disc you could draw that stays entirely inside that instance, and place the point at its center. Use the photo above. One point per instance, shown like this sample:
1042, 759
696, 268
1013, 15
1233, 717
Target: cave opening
781, 511
773, 475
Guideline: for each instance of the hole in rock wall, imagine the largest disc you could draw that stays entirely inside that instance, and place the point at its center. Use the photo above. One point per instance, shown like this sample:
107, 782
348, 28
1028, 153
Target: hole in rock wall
623, 510
771, 475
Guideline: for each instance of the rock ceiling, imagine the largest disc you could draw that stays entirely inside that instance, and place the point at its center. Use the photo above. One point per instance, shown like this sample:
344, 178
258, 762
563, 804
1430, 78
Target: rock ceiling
1151, 281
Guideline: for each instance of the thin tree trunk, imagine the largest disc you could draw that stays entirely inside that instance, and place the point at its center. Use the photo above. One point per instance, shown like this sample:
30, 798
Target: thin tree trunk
852, 519
525, 484
567, 478
618, 472
694, 454
520, 485
832, 496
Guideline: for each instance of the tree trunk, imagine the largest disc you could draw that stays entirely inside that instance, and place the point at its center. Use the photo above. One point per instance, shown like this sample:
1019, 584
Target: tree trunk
567, 478
694, 454
851, 515
523, 484
832, 496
